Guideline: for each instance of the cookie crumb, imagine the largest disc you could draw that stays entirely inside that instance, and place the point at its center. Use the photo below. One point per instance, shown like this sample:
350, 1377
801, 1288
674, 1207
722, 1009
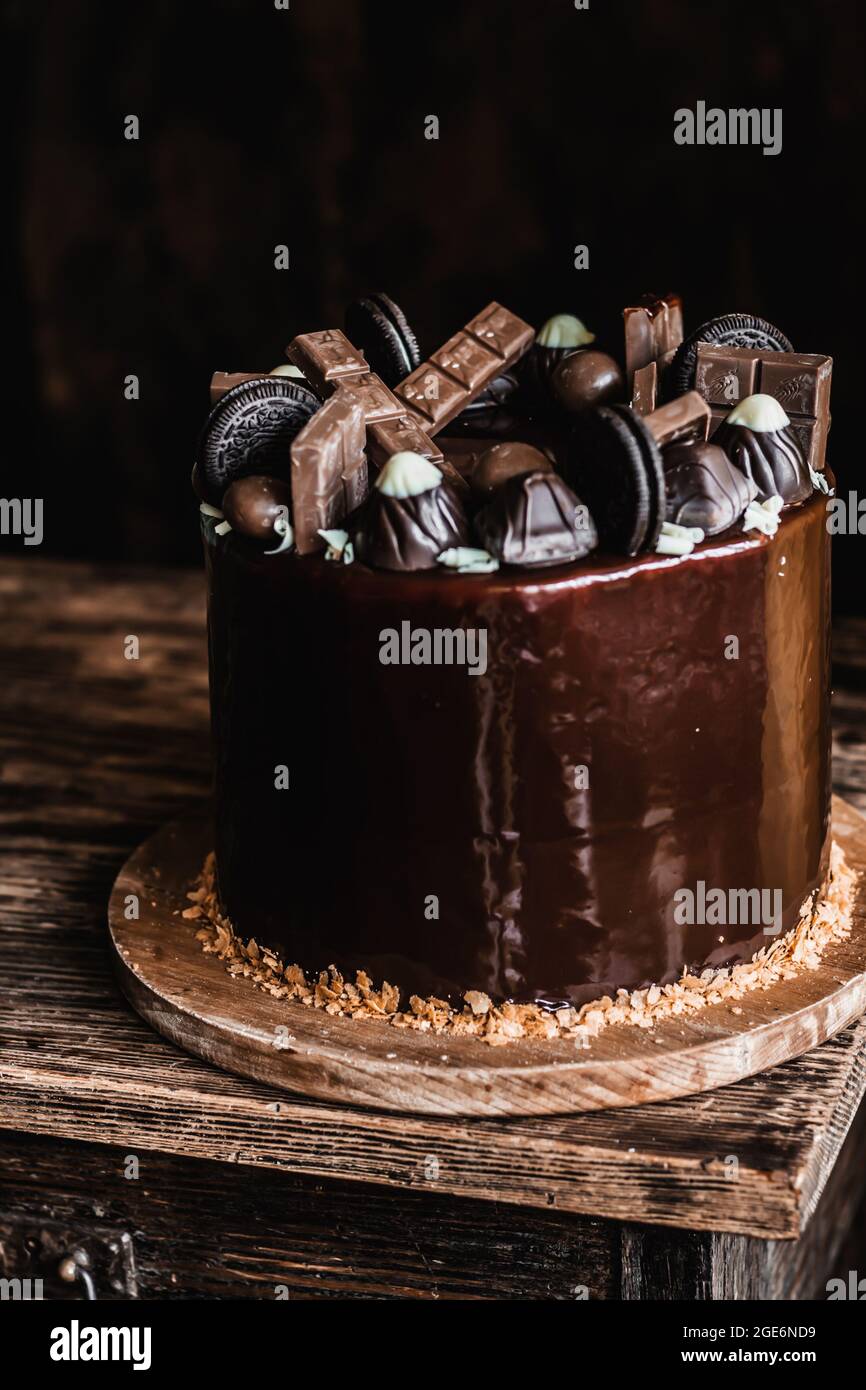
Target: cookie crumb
825, 917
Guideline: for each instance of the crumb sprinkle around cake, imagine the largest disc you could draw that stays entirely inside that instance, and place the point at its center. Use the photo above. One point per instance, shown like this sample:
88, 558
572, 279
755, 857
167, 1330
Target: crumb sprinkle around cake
824, 918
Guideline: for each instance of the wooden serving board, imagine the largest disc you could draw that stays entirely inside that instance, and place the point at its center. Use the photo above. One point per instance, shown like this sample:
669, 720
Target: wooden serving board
190, 998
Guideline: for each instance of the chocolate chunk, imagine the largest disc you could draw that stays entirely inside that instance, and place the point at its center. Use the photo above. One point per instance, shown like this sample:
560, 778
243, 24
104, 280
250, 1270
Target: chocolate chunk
585, 379
683, 420
382, 332
251, 429
645, 387
252, 505
329, 468
615, 465
327, 359
799, 381
653, 330
704, 488
535, 519
405, 524
398, 434
440, 388
221, 382
773, 459
730, 330
503, 461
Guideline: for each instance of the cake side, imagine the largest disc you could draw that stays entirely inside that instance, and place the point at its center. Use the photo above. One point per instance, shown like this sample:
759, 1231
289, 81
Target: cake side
522, 830
518, 689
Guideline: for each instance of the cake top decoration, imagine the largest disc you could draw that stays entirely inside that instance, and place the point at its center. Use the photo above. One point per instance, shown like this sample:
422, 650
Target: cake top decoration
704, 488
348, 409
564, 331
758, 438
382, 332
251, 429
407, 474
728, 330
535, 519
759, 413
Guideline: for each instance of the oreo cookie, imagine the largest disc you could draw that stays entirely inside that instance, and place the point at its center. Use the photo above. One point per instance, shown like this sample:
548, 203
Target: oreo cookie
250, 430
615, 467
729, 330
380, 329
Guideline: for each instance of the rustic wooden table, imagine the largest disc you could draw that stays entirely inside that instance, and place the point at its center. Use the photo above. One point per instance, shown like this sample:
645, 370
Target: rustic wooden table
181, 1181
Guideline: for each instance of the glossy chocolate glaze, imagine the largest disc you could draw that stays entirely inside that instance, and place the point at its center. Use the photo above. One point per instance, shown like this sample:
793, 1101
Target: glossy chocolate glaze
412, 781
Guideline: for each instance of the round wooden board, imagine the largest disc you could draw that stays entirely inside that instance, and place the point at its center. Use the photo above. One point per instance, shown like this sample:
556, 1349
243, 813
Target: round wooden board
190, 998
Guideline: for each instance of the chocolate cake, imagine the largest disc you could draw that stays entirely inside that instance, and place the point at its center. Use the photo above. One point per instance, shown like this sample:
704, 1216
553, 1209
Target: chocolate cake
501, 660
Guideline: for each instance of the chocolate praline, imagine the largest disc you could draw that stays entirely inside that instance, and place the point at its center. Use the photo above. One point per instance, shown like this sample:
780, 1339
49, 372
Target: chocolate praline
587, 378
535, 519
772, 458
703, 488
409, 533
252, 505
510, 459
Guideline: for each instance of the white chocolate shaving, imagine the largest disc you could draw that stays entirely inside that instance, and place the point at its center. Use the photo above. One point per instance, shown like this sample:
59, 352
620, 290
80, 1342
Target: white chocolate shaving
282, 527
407, 474
678, 540
207, 510
287, 369
763, 516
564, 331
223, 528
339, 547
819, 481
466, 559
759, 413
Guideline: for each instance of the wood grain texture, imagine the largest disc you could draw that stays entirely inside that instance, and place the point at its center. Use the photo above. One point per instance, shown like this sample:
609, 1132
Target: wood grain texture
189, 998
97, 752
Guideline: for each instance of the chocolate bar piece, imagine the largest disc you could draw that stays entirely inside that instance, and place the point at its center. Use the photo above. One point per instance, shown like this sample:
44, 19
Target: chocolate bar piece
799, 381
329, 465
396, 434
221, 382
644, 391
329, 468
653, 332
327, 359
683, 420
442, 387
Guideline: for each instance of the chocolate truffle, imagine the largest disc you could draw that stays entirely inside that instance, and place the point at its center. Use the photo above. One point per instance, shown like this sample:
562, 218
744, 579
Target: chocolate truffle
412, 514
758, 439
585, 379
560, 337
535, 519
503, 461
703, 488
254, 504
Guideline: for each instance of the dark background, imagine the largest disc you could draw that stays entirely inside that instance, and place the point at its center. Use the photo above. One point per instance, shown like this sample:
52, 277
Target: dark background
306, 127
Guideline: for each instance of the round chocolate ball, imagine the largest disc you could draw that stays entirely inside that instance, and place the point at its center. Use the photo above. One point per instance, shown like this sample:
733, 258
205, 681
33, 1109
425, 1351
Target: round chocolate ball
252, 505
585, 379
503, 461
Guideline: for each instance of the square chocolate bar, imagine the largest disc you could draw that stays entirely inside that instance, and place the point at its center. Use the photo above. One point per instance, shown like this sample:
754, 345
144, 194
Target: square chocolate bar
799, 381
433, 395
329, 468
326, 358
396, 435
